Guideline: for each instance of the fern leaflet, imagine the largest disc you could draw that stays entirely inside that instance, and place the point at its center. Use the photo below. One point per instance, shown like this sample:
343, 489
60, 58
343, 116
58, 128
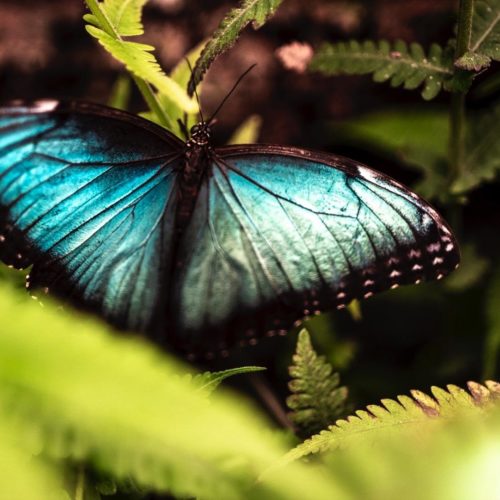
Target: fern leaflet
406, 412
316, 400
250, 11
402, 65
485, 37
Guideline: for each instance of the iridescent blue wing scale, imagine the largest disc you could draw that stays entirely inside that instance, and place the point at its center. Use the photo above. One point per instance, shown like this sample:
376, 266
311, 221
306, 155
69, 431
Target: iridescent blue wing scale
279, 234
87, 197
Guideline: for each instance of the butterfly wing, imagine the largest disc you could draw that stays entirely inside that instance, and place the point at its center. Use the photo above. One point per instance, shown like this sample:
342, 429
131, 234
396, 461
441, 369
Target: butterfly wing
86, 195
281, 233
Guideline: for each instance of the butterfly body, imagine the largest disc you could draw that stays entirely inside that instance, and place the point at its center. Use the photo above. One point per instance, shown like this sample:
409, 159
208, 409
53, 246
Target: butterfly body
201, 247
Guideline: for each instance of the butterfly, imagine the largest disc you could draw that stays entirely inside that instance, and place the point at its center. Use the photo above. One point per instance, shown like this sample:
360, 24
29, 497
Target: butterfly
201, 248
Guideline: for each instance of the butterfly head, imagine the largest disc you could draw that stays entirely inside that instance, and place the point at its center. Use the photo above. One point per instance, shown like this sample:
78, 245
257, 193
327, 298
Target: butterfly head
200, 134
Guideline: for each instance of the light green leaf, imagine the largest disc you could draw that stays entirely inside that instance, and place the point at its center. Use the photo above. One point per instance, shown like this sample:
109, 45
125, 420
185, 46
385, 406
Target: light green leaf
407, 413
125, 16
23, 476
397, 63
138, 59
247, 132
485, 36
80, 393
181, 75
120, 93
250, 11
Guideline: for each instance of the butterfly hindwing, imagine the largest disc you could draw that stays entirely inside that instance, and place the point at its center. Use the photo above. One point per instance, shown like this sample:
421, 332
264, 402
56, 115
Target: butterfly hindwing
281, 233
86, 197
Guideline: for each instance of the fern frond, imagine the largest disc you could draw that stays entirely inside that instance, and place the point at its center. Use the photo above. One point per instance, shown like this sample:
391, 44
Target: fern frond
402, 65
139, 60
405, 413
316, 400
484, 44
250, 11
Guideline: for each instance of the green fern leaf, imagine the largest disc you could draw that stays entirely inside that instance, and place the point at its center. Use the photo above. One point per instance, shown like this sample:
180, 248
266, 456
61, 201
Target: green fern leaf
484, 44
250, 11
400, 64
405, 413
482, 158
139, 60
209, 381
316, 400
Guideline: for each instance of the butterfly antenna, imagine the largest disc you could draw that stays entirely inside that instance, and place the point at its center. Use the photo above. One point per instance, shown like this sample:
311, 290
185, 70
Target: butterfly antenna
195, 91
228, 95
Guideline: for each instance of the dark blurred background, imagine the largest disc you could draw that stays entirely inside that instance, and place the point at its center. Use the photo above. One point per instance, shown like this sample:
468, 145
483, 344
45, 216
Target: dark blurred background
408, 338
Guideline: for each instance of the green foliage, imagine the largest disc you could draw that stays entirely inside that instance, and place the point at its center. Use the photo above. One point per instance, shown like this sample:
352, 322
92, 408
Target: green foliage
472, 270
316, 400
120, 93
248, 131
492, 343
108, 23
21, 475
402, 65
406, 413
250, 11
482, 150
415, 136
78, 392
484, 42
209, 381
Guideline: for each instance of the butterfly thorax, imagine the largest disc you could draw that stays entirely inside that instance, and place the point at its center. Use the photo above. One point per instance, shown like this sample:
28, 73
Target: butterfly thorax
196, 161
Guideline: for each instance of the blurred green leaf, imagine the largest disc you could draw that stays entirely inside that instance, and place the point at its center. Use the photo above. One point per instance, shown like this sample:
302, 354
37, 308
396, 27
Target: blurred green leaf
78, 392
398, 63
492, 341
249, 11
418, 137
482, 158
120, 93
484, 42
23, 476
248, 132
471, 271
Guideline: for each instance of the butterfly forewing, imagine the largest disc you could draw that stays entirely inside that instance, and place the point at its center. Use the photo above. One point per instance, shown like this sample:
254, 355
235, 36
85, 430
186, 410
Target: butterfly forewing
86, 196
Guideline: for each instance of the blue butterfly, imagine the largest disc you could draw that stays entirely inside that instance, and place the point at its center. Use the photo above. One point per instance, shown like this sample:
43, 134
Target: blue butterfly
199, 247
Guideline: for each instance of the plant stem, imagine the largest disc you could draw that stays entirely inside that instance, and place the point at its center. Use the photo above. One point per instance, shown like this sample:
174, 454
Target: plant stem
457, 109
145, 89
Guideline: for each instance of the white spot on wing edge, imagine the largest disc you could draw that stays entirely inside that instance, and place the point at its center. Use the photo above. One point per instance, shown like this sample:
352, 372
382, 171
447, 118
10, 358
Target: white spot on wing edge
44, 105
